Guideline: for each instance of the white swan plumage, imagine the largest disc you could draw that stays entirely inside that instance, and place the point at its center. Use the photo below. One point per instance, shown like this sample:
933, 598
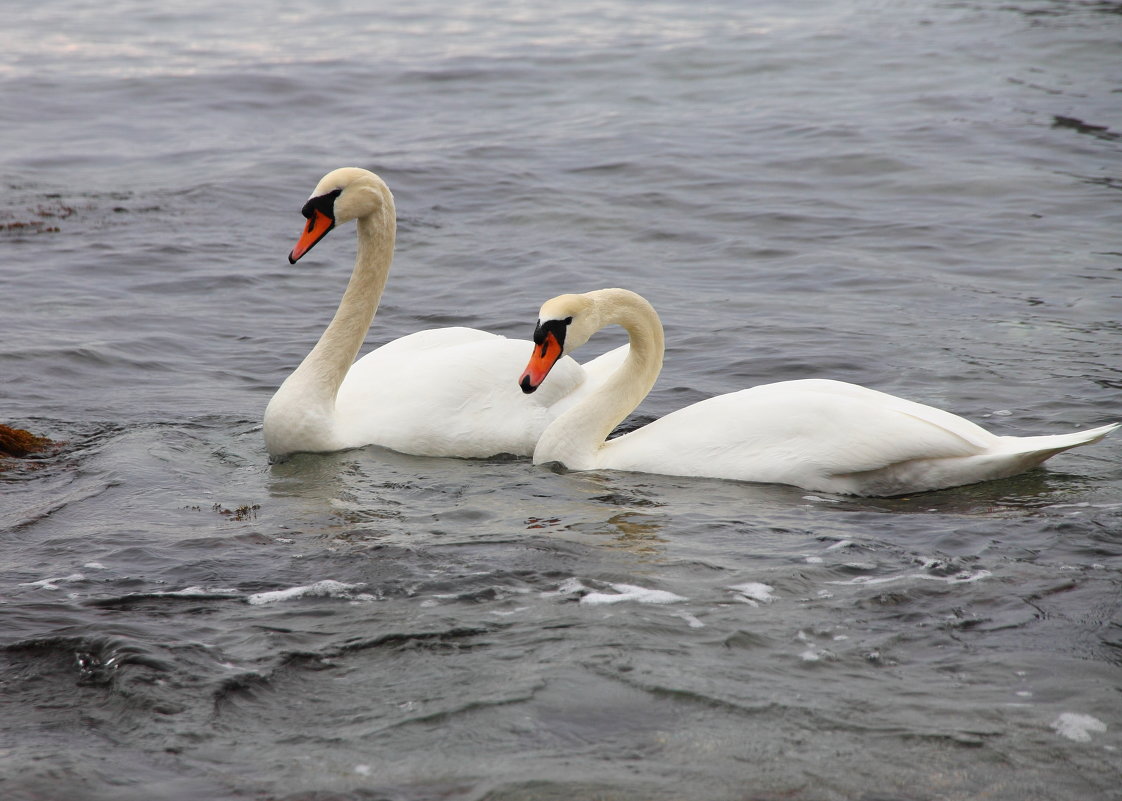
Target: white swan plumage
818, 434
440, 392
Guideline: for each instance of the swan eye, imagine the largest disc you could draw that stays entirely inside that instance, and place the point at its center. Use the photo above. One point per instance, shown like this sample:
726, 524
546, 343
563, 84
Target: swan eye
568, 320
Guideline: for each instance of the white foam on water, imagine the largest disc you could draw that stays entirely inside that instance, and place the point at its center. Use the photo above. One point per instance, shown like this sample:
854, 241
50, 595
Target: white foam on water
52, 583
1082, 505
691, 621
1077, 726
754, 593
509, 612
811, 653
566, 587
820, 499
328, 588
622, 592
964, 577
630, 592
198, 592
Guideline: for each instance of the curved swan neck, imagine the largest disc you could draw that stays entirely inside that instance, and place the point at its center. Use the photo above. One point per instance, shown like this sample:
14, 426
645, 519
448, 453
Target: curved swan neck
576, 437
323, 370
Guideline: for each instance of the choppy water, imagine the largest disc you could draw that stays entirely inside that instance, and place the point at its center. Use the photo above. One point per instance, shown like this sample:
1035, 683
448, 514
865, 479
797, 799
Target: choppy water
922, 198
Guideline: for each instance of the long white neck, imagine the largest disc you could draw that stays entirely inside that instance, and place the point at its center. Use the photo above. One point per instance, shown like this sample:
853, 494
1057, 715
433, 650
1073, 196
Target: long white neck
576, 437
300, 417
323, 370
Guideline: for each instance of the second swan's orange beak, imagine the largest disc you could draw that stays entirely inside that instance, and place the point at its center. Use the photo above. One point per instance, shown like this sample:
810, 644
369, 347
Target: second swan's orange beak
545, 355
316, 229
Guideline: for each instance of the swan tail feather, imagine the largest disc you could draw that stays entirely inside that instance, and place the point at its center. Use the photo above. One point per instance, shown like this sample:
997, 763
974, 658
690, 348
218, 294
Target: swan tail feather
1043, 447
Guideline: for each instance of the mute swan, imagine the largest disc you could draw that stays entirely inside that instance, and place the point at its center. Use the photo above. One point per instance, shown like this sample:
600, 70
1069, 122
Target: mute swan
441, 392
816, 434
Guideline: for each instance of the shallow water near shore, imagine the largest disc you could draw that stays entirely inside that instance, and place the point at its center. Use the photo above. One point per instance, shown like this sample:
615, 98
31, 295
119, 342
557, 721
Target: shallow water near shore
923, 199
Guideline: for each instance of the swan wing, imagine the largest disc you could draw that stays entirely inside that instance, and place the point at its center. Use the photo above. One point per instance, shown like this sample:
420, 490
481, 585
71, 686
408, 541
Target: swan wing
811, 434
421, 341
599, 369
448, 392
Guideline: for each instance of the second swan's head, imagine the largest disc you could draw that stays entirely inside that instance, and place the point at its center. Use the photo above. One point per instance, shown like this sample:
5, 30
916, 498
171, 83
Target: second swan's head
341, 196
564, 324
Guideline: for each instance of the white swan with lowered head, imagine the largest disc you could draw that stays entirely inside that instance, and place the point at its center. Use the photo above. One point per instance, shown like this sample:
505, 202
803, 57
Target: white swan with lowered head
817, 434
440, 392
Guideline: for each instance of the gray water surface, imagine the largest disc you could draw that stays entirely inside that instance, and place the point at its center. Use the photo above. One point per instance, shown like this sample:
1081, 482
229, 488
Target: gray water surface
921, 198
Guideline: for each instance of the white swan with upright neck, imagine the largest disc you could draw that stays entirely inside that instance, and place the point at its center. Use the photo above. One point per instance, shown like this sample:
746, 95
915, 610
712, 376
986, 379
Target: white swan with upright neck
440, 392
817, 434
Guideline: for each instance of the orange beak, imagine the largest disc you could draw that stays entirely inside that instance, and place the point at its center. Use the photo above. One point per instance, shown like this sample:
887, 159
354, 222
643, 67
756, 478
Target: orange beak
542, 360
316, 229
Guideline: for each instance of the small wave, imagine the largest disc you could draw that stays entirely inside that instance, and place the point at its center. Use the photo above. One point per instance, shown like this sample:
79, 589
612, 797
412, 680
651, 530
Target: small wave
691, 620
328, 588
619, 594
820, 499
98, 657
754, 593
630, 592
135, 599
964, 577
52, 583
196, 592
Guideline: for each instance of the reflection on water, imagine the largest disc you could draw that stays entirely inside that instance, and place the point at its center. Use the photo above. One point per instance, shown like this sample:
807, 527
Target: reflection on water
638, 533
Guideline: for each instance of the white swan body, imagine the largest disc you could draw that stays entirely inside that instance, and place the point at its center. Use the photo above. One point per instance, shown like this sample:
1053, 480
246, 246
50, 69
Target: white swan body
441, 392
817, 434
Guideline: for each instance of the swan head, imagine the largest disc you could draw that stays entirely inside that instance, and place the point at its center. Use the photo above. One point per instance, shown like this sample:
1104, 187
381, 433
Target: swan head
564, 324
342, 195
